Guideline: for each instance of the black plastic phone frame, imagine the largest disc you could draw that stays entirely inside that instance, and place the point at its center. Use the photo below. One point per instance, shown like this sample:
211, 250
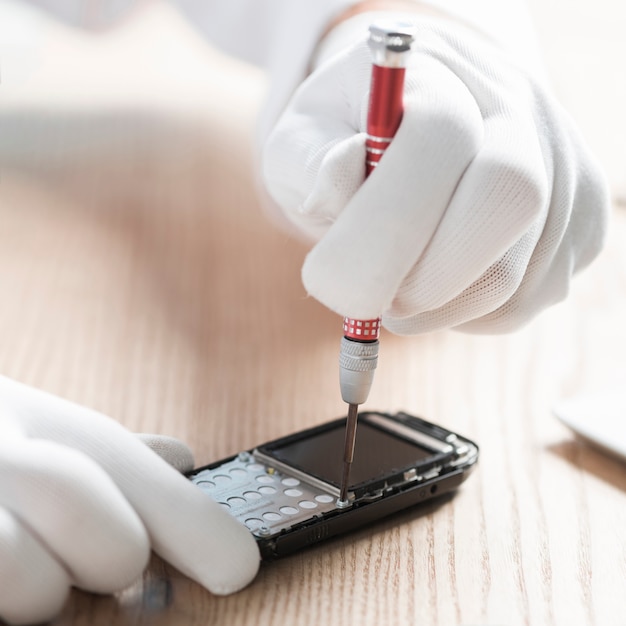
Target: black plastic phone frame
363, 512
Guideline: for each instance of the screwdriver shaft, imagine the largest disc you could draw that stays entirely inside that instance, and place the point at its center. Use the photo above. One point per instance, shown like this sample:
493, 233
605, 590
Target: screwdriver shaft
348, 451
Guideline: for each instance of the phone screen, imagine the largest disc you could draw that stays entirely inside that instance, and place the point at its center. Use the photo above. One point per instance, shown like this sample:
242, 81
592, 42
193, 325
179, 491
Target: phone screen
377, 453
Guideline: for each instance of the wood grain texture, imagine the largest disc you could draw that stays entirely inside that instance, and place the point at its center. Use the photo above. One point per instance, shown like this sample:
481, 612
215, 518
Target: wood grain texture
139, 277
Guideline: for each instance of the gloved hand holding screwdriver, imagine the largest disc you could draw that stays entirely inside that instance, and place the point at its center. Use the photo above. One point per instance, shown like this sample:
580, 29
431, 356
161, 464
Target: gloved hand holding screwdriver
486, 203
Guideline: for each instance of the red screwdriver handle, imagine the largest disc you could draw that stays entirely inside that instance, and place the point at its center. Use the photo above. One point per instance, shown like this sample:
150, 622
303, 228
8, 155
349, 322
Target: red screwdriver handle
383, 119
384, 113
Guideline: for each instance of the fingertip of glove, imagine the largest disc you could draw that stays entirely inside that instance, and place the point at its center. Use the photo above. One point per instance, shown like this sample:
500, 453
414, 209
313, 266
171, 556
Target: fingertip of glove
238, 566
240, 580
172, 450
207, 543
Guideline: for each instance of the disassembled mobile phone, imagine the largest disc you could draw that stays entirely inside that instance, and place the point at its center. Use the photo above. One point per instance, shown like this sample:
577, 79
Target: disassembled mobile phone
286, 491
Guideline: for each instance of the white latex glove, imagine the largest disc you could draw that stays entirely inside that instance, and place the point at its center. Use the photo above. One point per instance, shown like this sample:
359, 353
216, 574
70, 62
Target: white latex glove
483, 207
82, 500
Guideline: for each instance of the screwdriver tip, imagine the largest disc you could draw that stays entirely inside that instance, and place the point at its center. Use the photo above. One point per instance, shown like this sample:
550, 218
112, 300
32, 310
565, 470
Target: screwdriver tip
351, 422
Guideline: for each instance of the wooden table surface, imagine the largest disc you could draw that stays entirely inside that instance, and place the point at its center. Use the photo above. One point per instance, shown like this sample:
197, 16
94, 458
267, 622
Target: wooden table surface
139, 276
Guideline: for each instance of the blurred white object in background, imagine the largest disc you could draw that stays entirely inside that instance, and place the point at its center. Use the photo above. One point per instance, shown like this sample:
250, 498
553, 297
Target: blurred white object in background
600, 418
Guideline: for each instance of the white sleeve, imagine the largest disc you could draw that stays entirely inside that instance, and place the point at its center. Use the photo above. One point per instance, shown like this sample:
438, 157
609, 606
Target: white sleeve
277, 35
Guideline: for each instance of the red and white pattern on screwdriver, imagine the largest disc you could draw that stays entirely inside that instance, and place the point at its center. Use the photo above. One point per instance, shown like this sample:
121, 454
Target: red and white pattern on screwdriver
361, 330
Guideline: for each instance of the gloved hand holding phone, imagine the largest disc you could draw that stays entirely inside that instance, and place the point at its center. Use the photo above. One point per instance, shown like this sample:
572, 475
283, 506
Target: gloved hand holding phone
83, 500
